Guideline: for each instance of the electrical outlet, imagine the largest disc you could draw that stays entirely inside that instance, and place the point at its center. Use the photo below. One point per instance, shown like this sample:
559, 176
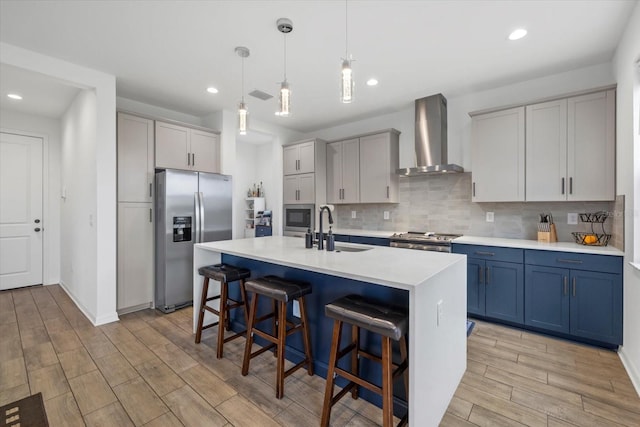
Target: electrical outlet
440, 312
489, 216
353, 214
572, 218
386, 214
296, 309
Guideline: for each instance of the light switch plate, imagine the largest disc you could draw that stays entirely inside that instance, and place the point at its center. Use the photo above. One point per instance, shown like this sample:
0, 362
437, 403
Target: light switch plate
489, 216
386, 214
353, 214
572, 218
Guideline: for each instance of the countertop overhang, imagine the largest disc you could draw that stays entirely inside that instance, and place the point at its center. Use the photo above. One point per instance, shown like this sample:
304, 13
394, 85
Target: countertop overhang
534, 244
395, 267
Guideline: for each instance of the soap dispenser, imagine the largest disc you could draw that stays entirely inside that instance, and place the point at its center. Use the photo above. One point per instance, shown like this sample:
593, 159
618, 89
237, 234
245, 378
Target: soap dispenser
308, 239
331, 242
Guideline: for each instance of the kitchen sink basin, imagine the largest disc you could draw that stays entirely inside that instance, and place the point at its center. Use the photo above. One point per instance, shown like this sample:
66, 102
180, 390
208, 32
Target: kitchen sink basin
350, 249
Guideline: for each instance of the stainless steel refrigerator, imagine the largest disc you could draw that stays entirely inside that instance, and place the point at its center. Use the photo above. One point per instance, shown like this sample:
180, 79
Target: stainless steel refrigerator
191, 207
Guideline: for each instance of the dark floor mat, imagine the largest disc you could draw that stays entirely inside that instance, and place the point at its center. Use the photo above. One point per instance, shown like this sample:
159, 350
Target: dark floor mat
27, 412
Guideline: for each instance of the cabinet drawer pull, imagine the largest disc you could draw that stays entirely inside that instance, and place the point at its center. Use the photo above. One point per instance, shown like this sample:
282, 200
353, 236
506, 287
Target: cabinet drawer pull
563, 185
480, 276
569, 261
574, 286
566, 286
474, 189
488, 277
485, 253
149, 189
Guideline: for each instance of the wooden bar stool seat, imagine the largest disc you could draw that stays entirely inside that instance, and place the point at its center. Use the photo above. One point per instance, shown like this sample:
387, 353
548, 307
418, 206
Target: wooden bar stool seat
281, 292
224, 274
391, 323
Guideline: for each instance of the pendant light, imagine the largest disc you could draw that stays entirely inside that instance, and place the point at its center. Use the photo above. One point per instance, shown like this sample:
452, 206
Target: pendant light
285, 26
346, 73
243, 113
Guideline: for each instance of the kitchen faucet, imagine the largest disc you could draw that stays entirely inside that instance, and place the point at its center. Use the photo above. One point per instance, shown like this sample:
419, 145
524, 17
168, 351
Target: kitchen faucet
321, 234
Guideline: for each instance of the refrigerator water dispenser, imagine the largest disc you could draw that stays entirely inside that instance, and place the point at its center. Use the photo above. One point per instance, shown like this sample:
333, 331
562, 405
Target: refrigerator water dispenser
181, 228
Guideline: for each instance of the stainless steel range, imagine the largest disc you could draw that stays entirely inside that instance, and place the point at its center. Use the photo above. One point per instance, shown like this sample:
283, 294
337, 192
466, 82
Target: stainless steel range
423, 241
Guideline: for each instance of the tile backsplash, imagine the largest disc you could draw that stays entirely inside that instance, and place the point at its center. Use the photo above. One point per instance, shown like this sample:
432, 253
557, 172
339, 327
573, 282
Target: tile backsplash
442, 203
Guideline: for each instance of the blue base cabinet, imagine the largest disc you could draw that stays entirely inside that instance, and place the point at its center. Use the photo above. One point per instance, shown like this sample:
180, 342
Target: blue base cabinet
495, 282
578, 294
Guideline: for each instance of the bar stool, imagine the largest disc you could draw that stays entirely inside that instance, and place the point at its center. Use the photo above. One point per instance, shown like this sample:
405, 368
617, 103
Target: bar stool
389, 322
225, 274
281, 292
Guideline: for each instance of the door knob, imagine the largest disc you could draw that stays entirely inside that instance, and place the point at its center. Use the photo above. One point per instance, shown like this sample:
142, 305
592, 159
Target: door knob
37, 229
37, 221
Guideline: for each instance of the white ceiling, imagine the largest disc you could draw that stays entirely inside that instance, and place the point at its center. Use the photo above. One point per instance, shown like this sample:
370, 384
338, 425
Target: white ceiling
166, 53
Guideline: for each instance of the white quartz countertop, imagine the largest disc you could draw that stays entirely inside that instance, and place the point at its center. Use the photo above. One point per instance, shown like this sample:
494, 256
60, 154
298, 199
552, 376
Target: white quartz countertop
534, 244
365, 233
394, 267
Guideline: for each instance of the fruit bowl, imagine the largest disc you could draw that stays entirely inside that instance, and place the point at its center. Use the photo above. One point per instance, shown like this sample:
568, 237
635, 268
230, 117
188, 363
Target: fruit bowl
591, 239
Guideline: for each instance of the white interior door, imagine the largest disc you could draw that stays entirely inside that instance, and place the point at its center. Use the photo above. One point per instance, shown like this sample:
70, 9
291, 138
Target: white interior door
21, 224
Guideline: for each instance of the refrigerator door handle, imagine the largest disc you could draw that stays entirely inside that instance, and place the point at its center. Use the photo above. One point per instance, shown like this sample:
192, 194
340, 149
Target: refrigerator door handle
202, 220
196, 204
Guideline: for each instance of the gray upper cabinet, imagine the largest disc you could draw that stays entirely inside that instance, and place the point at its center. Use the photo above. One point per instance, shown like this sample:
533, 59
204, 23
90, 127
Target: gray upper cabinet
343, 171
135, 159
299, 158
497, 156
571, 149
566, 153
379, 160
591, 148
546, 177
180, 147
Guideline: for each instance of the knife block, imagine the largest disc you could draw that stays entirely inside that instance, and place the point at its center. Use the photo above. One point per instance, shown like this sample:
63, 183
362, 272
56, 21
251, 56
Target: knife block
548, 236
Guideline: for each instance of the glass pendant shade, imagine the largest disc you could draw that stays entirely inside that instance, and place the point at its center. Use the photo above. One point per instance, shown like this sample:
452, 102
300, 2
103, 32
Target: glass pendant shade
285, 99
243, 118
346, 87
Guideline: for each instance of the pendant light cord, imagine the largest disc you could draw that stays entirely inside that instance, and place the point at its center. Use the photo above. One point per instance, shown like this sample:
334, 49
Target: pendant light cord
285, 56
243, 79
346, 31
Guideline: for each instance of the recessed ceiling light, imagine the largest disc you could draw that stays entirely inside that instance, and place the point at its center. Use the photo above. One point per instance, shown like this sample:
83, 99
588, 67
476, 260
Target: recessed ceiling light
372, 82
517, 34
212, 90
14, 96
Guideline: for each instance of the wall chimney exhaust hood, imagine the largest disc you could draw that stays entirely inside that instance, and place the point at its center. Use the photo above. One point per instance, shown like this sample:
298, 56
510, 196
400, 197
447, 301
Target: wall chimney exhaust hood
431, 138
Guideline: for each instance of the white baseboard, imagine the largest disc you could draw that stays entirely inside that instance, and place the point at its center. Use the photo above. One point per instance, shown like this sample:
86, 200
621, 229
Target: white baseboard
112, 317
632, 370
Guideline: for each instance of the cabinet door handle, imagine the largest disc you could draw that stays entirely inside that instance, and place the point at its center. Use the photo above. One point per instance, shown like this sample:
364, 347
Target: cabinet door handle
485, 253
150, 215
574, 286
571, 185
480, 276
193, 159
387, 191
569, 261
149, 189
474, 189
562, 185
488, 277
565, 290
188, 159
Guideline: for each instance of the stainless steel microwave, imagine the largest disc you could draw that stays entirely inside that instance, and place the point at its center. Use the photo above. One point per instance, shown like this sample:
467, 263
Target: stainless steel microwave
298, 218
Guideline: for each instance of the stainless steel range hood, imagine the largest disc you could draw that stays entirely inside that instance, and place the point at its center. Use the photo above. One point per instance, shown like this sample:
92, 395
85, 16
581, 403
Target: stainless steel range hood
431, 138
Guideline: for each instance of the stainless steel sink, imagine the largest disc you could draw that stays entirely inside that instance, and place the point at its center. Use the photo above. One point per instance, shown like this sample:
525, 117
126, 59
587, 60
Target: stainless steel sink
340, 248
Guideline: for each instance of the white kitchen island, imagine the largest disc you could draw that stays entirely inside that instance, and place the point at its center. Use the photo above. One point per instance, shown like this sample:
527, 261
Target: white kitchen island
434, 284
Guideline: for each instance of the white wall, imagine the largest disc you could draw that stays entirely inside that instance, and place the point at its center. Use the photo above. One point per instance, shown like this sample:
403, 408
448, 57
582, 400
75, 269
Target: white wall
78, 250
626, 72
49, 130
136, 107
100, 289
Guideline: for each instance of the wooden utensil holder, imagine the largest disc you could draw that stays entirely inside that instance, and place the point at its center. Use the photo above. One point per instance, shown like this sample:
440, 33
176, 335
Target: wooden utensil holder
548, 236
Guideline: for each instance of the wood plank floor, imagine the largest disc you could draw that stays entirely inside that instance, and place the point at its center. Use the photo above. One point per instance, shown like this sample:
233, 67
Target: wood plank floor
146, 371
